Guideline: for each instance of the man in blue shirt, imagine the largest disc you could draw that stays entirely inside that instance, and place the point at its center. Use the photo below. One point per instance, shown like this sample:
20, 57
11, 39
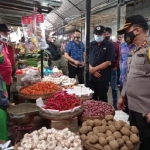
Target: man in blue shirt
102, 54
75, 55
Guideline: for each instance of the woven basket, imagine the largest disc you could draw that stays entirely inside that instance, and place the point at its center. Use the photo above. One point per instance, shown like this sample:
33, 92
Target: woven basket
33, 97
84, 98
91, 147
22, 109
63, 116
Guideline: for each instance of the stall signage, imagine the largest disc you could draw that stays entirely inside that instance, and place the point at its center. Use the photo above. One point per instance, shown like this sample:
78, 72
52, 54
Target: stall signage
27, 19
39, 18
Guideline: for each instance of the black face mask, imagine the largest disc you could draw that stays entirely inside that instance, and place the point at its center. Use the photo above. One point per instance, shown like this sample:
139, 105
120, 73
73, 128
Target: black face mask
107, 38
129, 37
77, 37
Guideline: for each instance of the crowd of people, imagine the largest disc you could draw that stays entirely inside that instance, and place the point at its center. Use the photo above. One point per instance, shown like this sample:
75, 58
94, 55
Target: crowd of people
125, 60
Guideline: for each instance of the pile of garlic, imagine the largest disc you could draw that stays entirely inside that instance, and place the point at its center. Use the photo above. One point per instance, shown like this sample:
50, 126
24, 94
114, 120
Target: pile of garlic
51, 139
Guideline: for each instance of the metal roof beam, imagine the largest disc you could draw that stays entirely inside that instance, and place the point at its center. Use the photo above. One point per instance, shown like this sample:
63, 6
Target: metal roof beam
59, 15
75, 5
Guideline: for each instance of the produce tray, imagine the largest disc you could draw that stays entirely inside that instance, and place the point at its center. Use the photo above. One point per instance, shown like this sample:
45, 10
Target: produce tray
88, 146
84, 98
63, 116
33, 97
83, 118
22, 109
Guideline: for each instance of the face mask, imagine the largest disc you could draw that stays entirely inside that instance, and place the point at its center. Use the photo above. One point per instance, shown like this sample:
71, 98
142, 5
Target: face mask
107, 38
129, 37
77, 37
3, 39
98, 38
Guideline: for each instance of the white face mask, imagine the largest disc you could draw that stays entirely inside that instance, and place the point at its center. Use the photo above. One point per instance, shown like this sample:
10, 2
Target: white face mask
3, 39
98, 38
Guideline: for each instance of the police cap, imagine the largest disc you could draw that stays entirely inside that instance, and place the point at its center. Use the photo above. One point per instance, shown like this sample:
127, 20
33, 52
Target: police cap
99, 30
131, 20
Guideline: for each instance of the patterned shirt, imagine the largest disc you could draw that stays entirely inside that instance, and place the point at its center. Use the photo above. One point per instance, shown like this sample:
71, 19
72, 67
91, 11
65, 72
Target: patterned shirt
75, 50
124, 53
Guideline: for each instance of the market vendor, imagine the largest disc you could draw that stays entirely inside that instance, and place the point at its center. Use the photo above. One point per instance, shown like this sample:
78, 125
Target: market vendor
101, 56
137, 85
7, 59
4, 103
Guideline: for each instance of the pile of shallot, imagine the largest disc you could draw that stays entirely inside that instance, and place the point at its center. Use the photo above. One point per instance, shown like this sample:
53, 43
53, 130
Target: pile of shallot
51, 139
96, 108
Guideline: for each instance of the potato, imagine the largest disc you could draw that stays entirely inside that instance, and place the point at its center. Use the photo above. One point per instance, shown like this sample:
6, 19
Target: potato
84, 123
90, 123
90, 133
117, 135
96, 131
129, 144
83, 130
102, 129
125, 138
110, 123
104, 122
84, 137
134, 139
98, 146
110, 138
97, 122
96, 128
102, 135
93, 139
102, 141
122, 122
109, 118
131, 133
124, 148
120, 142
107, 128
114, 145
127, 126
108, 133
125, 131
134, 130
107, 147
118, 125
112, 128
89, 128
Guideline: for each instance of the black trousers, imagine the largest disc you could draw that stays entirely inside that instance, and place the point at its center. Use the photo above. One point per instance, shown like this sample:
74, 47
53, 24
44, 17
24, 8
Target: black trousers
126, 110
100, 90
8, 91
73, 71
136, 119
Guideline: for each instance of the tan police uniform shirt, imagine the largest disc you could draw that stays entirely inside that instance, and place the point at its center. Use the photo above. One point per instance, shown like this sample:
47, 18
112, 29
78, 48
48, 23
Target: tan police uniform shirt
137, 86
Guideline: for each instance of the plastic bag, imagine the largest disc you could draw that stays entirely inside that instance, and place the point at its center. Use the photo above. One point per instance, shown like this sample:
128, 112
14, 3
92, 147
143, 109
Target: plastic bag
30, 77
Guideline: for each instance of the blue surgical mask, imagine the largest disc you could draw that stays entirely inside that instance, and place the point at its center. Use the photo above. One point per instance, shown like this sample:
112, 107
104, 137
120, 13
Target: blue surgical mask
98, 38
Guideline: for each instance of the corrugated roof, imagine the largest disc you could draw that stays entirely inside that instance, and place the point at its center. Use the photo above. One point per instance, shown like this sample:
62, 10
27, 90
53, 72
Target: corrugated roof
70, 10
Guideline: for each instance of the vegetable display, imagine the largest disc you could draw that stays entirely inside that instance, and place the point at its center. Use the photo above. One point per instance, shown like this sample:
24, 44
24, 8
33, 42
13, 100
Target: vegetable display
96, 108
40, 88
51, 139
61, 80
62, 101
108, 134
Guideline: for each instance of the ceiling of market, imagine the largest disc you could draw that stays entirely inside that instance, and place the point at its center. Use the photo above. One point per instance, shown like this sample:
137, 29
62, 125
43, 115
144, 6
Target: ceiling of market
58, 13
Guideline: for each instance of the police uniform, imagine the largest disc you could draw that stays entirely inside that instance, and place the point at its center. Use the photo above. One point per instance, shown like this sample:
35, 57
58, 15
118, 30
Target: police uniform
99, 54
137, 88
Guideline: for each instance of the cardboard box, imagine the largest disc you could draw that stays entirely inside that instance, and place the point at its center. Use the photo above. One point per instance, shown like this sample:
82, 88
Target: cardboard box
72, 124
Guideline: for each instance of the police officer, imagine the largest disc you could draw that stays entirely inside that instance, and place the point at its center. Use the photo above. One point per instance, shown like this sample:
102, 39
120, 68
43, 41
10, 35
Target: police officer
102, 54
137, 86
